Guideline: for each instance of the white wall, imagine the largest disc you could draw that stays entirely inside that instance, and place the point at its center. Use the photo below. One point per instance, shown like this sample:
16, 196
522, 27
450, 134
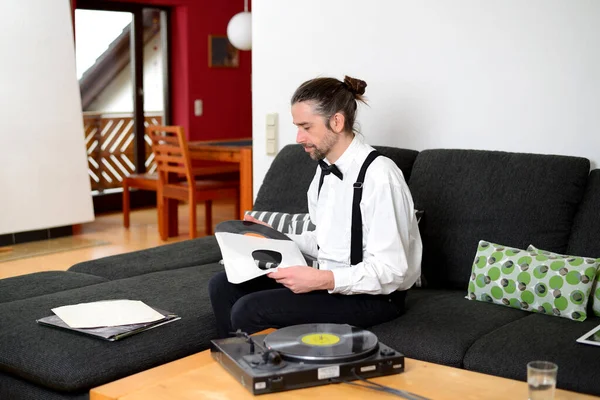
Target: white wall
503, 75
43, 167
118, 95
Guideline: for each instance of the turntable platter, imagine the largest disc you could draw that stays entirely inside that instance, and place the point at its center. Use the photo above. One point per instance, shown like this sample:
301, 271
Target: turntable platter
322, 343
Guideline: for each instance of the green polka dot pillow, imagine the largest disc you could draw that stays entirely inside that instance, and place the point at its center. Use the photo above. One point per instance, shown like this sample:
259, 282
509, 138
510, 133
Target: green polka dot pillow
595, 292
531, 281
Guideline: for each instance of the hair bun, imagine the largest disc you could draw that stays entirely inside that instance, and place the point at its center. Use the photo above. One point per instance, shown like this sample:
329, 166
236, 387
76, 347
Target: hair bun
356, 86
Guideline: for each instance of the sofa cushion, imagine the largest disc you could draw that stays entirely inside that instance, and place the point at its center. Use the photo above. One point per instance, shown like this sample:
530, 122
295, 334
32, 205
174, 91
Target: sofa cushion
586, 225
507, 350
586, 231
13, 388
532, 280
440, 326
287, 180
40, 283
183, 254
73, 362
509, 198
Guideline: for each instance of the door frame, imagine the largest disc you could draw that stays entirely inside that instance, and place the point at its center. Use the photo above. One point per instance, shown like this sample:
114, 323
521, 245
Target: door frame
110, 202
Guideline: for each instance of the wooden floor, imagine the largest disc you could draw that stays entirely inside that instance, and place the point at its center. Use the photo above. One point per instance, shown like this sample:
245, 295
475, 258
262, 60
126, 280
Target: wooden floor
142, 234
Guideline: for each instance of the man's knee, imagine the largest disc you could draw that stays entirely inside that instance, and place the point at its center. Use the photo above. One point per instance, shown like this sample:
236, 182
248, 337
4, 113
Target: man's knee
217, 284
245, 315
240, 314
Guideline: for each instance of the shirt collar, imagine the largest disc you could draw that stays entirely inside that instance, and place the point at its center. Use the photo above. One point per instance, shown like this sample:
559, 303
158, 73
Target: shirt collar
345, 161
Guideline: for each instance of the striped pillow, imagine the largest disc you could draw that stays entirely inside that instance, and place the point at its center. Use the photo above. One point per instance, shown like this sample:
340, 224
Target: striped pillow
278, 220
284, 222
301, 223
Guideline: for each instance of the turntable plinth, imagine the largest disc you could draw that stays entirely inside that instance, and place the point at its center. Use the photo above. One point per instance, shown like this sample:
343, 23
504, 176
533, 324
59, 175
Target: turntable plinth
200, 377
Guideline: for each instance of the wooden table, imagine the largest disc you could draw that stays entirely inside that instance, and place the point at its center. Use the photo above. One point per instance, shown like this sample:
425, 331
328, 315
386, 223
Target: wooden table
231, 151
237, 151
200, 377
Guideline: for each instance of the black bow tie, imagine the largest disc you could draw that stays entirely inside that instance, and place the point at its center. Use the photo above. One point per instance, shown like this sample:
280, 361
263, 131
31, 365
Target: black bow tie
330, 169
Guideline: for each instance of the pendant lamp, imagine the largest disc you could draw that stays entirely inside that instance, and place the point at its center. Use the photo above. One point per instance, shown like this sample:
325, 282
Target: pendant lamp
239, 29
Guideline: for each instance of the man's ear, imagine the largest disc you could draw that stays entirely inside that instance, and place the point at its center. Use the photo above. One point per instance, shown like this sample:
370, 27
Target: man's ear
337, 122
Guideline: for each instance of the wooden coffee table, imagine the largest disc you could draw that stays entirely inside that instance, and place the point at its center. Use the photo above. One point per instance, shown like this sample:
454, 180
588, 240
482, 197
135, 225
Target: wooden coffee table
200, 377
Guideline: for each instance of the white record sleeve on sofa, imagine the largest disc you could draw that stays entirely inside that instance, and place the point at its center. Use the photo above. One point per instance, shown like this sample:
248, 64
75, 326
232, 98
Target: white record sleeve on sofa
240, 259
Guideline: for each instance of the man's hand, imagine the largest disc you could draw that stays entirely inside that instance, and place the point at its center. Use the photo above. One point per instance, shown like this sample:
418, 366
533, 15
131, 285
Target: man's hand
250, 218
303, 279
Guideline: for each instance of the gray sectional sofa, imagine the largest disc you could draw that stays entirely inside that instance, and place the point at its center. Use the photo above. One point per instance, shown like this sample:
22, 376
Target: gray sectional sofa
515, 199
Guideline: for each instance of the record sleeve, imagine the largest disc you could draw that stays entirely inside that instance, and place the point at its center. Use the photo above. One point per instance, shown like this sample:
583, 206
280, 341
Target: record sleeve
247, 257
110, 333
250, 229
246, 242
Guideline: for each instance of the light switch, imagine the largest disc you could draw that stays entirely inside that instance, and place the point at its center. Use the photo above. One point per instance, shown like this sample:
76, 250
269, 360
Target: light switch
272, 119
271, 133
198, 108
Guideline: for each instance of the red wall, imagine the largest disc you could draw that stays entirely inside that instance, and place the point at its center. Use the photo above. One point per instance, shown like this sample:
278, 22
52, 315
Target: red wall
225, 92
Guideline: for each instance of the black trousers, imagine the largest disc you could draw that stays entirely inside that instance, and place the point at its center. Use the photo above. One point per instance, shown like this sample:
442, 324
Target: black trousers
263, 303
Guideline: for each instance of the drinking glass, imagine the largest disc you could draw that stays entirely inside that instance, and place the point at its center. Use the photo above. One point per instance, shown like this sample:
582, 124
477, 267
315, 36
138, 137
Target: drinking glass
541, 379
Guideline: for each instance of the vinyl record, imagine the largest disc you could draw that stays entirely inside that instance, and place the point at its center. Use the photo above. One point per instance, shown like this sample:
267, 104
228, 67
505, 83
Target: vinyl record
322, 343
250, 229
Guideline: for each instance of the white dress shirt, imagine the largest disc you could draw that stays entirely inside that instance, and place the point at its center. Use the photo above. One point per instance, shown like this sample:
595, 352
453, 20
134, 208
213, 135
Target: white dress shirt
392, 247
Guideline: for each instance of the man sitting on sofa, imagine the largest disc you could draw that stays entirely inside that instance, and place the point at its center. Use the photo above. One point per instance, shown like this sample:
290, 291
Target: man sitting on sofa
358, 282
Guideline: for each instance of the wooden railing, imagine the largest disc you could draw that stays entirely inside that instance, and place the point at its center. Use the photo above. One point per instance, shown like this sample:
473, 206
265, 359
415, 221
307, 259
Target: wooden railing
109, 142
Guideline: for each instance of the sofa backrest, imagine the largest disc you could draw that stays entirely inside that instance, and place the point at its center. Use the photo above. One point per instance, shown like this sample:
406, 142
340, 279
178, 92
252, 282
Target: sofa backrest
585, 234
43, 283
287, 180
513, 199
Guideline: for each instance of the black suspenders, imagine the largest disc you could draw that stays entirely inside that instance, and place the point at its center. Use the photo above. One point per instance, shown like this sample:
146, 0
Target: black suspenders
356, 239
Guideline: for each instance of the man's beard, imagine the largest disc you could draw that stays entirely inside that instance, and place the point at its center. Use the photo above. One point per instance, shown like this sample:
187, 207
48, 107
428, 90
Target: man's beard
329, 140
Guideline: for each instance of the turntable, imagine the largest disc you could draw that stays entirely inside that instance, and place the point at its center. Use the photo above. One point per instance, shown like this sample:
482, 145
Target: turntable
306, 355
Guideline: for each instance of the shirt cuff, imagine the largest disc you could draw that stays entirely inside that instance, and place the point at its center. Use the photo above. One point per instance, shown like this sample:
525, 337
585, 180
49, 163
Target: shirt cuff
342, 280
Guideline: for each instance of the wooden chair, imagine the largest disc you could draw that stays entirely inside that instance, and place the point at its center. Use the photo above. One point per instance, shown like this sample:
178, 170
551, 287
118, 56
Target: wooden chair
172, 157
139, 181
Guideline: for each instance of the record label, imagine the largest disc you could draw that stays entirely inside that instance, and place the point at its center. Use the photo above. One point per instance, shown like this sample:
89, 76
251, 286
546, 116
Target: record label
254, 234
320, 339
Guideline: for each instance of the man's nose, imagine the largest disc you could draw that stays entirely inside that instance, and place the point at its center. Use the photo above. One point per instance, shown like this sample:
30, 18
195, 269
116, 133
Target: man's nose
300, 136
